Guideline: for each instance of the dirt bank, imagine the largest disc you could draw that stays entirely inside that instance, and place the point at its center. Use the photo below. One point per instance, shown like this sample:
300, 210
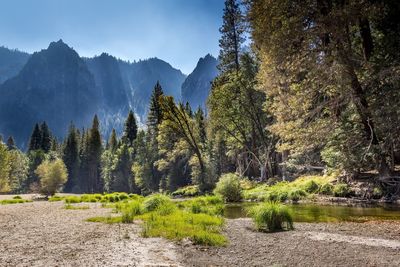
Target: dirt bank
45, 234
338, 244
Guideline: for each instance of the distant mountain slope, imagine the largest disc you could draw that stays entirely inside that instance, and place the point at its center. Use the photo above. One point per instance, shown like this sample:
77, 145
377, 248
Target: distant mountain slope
197, 85
55, 85
11, 62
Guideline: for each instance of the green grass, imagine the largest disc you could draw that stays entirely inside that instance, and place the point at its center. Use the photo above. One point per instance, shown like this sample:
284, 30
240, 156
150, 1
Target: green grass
271, 216
163, 218
187, 191
202, 229
301, 188
56, 198
73, 207
13, 201
211, 205
103, 198
108, 220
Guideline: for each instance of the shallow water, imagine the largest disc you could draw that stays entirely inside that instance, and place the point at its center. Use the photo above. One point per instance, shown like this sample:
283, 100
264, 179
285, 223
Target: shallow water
325, 213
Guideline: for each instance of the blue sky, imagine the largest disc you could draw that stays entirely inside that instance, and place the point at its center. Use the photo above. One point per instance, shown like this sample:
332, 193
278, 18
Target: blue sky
177, 31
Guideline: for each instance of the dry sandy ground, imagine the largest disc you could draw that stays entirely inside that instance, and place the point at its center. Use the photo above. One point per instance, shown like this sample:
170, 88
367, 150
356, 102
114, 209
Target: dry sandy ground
340, 244
45, 234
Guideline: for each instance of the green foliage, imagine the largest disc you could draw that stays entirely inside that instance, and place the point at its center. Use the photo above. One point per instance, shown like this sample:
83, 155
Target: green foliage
271, 216
130, 210
311, 187
155, 201
13, 201
108, 220
212, 205
341, 190
72, 199
56, 198
326, 189
229, 187
73, 207
17, 197
5, 167
52, 176
202, 229
187, 191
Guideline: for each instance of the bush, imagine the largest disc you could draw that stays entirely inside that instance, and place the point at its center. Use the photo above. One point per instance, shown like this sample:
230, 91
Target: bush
341, 190
271, 216
17, 197
326, 189
153, 202
52, 174
311, 187
229, 188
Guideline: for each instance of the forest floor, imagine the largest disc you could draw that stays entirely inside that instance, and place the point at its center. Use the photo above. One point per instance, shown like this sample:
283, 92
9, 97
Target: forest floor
43, 233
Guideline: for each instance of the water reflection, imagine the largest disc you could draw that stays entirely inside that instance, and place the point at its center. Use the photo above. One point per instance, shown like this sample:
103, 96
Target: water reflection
325, 213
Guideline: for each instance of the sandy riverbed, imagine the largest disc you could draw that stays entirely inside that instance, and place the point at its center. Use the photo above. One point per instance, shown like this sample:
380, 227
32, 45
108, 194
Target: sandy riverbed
44, 234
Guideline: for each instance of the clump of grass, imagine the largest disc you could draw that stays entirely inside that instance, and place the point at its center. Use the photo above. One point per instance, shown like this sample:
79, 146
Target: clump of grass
72, 199
271, 216
91, 198
311, 187
326, 189
296, 194
153, 202
13, 201
55, 198
17, 197
212, 205
202, 229
108, 220
73, 207
341, 190
130, 210
187, 191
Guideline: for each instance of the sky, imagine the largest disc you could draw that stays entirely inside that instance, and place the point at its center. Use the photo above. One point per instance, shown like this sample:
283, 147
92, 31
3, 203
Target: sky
177, 31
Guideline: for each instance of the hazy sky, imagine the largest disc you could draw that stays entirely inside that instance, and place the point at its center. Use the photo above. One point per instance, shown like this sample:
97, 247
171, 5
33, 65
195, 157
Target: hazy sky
177, 31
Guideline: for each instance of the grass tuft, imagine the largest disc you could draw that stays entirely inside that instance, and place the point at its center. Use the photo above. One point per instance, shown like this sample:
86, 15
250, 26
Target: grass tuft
271, 217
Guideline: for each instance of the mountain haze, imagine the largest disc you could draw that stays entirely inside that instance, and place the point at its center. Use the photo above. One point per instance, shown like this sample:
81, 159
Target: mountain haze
58, 86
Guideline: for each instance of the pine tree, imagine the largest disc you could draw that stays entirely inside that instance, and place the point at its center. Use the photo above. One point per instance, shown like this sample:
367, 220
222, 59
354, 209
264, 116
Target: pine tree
123, 178
113, 142
95, 183
231, 37
155, 113
71, 159
46, 137
36, 139
83, 184
11, 144
130, 130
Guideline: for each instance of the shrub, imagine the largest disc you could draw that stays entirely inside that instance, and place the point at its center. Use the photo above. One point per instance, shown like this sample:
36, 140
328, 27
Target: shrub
17, 197
341, 190
229, 188
52, 174
152, 202
55, 198
311, 187
271, 216
326, 189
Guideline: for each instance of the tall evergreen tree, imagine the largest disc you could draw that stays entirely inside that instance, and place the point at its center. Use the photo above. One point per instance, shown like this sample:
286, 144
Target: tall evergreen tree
113, 142
36, 139
71, 159
11, 144
95, 183
130, 130
155, 113
46, 137
231, 37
